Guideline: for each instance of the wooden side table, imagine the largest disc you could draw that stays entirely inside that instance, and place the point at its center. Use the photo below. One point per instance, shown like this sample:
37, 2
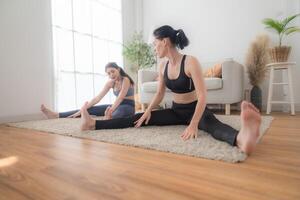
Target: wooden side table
281, 66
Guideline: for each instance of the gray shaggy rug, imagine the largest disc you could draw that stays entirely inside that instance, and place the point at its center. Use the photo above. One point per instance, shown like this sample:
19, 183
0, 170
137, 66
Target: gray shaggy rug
162, 138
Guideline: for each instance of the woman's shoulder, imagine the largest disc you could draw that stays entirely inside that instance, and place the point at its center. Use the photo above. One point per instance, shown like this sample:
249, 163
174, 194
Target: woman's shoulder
162, 65
125, 78
110, 83
192, 60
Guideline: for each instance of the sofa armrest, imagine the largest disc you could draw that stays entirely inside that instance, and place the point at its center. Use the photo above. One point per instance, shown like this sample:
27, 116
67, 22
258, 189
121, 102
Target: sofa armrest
232, 76
145, 76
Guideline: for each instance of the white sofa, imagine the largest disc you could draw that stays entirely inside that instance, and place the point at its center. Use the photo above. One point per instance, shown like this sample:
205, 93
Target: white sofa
226, 90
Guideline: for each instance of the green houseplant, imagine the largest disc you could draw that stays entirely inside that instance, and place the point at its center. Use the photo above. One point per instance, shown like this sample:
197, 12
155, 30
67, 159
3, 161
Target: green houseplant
139, 53
256, 60
281, 53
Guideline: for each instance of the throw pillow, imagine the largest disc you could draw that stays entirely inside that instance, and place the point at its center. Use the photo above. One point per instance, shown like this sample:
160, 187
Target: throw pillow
214, 71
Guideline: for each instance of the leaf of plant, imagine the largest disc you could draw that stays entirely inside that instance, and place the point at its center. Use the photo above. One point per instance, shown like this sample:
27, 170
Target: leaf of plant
288, 19
291, 30
273, 24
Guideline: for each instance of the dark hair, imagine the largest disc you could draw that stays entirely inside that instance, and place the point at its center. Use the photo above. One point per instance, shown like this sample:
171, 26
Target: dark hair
177, 37
122, 72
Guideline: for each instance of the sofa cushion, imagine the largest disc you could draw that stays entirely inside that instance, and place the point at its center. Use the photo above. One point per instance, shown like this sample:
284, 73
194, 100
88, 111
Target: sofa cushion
151, 86
211, 84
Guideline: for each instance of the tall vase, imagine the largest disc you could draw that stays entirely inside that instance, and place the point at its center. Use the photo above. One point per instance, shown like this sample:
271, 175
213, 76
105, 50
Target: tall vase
256, 97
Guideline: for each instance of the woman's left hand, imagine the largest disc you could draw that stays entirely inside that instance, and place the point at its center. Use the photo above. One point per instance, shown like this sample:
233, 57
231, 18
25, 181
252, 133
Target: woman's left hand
190, 132
108, 113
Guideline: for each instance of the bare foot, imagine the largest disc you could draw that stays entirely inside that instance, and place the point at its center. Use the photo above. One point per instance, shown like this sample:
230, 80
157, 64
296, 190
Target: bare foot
250, 123
88, 123
253, 107
49, 113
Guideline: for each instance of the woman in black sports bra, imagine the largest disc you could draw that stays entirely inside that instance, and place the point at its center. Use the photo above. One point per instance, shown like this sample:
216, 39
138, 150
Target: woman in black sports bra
183, 76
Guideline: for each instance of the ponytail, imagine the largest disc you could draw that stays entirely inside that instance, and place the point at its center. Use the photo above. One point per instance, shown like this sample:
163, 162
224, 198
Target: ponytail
181, 40
177, 37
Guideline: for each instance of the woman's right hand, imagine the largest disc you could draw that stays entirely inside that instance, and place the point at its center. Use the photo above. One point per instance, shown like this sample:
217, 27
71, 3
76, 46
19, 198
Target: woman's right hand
146, 116
77, 114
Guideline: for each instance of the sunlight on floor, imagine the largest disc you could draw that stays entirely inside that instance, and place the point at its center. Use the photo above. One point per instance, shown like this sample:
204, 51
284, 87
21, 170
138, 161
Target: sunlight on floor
5, 162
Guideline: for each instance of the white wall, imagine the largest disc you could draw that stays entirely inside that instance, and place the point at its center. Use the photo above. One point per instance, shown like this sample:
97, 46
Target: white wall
25, 58
219, 29
132, 22
216, 29
26, 65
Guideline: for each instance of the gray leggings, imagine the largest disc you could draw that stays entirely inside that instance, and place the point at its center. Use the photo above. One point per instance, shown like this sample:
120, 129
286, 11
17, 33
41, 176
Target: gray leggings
125, 109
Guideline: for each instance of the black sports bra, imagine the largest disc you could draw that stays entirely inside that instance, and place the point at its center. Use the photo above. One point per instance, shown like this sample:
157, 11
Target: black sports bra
183, 84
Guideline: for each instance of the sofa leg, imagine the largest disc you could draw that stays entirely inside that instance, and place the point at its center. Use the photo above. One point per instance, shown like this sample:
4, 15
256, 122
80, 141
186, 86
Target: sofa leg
227, 109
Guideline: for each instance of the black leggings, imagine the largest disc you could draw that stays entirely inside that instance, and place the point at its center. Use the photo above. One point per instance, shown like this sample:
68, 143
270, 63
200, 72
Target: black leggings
179, 114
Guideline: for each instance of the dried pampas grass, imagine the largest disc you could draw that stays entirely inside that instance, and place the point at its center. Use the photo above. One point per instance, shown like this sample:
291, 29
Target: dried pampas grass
257, 58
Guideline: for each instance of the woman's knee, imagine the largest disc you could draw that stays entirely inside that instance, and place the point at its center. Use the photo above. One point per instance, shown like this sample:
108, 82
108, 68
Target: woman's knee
208, 122
123, 112
98, 110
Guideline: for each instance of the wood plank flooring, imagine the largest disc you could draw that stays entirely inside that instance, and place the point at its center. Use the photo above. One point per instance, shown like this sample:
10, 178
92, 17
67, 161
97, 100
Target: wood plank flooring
37, 165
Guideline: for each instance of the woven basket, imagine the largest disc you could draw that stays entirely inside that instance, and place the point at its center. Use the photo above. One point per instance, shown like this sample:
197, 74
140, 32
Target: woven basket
280, 54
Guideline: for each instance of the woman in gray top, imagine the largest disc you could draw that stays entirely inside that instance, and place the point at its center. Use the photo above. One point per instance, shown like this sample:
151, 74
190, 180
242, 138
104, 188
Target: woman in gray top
123, 89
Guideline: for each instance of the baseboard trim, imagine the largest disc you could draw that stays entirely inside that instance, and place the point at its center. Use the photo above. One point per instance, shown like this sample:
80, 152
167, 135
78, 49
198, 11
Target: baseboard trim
19, 118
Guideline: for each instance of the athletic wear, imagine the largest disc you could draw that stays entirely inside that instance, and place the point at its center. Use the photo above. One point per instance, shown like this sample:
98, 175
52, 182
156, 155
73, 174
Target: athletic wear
125, 109
130, 91
179, 114
182, 84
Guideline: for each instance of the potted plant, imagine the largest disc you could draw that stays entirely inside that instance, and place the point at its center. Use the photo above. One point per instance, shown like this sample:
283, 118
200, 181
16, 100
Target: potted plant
256, 60
281, 53
139, 53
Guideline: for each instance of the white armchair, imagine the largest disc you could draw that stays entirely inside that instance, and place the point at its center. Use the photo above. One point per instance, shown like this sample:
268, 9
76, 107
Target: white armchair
226, 90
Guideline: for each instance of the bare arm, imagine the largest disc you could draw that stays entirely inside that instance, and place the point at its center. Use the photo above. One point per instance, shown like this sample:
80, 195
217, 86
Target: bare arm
97, 98
124, 89
195, 71
156, 99
103, 92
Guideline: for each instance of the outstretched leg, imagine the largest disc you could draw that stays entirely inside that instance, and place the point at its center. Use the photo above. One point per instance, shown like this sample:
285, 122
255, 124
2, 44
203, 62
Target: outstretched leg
49, 113
245, 139
94, 110
158, 117
217, 129
250, 123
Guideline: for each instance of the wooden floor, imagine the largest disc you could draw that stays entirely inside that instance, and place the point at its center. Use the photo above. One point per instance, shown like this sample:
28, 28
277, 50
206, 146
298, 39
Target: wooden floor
37, 165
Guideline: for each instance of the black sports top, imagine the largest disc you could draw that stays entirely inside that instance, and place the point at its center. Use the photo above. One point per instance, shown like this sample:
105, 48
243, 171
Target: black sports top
183, 84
